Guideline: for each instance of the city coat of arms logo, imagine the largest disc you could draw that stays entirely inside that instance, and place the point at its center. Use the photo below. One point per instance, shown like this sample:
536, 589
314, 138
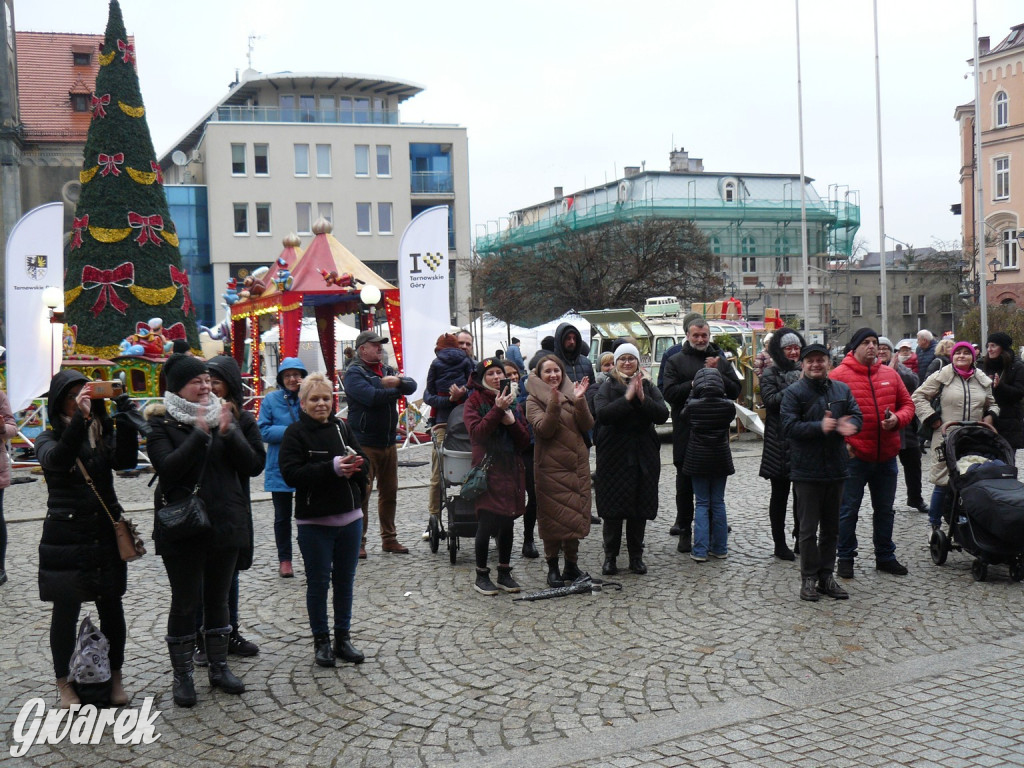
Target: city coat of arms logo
36, 266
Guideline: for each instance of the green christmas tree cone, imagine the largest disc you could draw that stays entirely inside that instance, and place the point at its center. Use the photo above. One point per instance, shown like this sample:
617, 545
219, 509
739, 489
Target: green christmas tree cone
123, 265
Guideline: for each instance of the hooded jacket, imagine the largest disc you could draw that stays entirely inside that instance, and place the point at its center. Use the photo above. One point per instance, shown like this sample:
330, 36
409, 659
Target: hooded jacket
1009, 394
775, 379
705, 423
78, 556
577, 364
449, 367
876, 388
280, 408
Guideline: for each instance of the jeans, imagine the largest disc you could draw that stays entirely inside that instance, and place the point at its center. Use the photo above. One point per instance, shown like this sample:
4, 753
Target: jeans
283, 524
203, 578
64, 632
880, 478
942, 497
330, 554
710, 493
498, 526
817, 508
383, 469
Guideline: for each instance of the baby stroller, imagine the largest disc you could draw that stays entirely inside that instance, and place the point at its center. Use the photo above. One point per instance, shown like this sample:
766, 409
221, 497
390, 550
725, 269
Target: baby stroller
455, 455
986, 516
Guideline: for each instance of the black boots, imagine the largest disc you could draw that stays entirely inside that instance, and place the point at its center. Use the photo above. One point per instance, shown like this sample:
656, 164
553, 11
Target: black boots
609, 568
344, 650
530, 549
637, 565
554, 577
809, 589
180, 649
324, 656
483, 583
685, 541
217, 653
571, 572
505, 581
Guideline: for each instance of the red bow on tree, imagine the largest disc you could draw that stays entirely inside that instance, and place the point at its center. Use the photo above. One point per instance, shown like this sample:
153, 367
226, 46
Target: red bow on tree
180, 277
176, 331
78, 225
98, 105
128, 49
148, 226
110, 163
106, 280
159, 173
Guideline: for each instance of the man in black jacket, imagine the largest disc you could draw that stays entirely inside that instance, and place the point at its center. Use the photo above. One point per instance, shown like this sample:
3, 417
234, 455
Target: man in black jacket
818, 413
698, 352
572, 350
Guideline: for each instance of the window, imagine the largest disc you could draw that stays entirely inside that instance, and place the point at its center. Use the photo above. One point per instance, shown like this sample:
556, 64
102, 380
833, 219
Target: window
287, 102
81, 102
1009, 249
361, 108
921, 305
323, 159
729, 192
855, 308
878, 305
781, 254
260, 159
362, 218
946, 306
748, 263
1002, 109
362, 159
328, 112
241, 218
307, 108
302, 159
384, 218
661, 346
81, 59
1002, 168
238, 159
906, 305
716, 245
303, 218
325, 211
383, 160
262, 218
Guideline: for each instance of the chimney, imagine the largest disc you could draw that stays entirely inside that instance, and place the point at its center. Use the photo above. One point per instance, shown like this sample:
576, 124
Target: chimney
630, 171
983, 46
558, 194
679, 161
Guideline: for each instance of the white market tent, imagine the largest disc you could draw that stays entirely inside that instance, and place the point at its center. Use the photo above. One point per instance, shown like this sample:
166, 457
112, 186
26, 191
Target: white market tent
496, 333
309, 345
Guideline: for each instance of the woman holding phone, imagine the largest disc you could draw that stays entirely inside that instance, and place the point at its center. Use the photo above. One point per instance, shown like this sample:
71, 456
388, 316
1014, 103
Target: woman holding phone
322, 460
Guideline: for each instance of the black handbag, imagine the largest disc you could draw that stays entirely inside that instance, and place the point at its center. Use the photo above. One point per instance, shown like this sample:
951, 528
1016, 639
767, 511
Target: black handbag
186, 518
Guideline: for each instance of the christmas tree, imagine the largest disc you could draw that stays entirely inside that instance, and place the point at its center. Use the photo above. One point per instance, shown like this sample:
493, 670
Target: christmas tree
123, 266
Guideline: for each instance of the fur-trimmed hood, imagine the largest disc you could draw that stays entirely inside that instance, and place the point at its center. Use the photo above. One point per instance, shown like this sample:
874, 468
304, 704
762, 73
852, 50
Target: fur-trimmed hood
774, 348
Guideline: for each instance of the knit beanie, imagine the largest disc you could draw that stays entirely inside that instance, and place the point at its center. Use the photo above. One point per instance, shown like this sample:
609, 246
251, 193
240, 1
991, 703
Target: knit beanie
488, 362
788, 340
626, 349
883, 341
446, 341
180, 369
1003, 340
964, 345
858, 338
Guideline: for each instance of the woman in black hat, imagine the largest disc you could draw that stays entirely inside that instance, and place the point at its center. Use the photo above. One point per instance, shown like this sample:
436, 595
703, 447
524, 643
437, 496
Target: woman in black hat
1007, 374
195, 441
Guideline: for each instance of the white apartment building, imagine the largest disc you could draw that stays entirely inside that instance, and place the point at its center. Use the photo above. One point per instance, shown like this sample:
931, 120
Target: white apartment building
280, 150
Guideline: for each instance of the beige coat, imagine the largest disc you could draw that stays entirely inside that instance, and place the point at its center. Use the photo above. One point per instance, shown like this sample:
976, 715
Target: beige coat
561, 460
962, 400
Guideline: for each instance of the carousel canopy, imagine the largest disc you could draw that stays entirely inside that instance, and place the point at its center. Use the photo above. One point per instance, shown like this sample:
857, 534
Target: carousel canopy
326, 256
290, 255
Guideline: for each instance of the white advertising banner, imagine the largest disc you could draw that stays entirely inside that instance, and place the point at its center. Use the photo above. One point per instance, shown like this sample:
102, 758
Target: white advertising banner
423, 283
35, 261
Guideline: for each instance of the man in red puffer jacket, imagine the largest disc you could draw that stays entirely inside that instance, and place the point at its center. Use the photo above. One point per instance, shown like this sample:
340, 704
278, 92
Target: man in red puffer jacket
887, 408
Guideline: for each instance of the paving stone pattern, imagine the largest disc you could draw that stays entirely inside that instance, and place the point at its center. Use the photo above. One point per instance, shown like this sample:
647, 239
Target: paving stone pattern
710, 664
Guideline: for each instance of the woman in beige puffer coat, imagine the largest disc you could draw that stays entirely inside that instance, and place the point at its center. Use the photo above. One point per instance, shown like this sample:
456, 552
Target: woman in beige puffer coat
558, 412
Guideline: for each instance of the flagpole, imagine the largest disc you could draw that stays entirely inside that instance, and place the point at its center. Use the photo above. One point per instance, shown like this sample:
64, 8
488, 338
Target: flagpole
881, 196
803, 181
979, 185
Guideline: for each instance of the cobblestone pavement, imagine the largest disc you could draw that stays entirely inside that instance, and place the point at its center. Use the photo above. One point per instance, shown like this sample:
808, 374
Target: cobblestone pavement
709, 664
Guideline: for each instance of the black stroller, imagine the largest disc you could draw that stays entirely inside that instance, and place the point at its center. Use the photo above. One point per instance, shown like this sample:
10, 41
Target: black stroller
456, 459
986, 516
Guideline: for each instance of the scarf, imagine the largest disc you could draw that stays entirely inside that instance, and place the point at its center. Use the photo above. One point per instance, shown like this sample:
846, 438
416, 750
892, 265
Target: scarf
182, 410
95, 430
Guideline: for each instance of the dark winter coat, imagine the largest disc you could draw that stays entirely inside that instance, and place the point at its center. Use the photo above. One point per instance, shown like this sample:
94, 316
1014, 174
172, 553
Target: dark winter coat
705, 425
910, 381
504, 443
178, 451
1008, 393
679, 372
577, 364
875, 388
449, 367
815, 457
628, 451
925, 358
937, 364
372, 407
775, 378
307, 464
561, 467
78, 556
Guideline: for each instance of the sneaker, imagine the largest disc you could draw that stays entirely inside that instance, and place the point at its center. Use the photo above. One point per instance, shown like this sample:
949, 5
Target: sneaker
239, 646
719, 555
426, 535
505, 581
827, 586
808, 589
844, 569
362, 552
895, 567
483, 584
698, 558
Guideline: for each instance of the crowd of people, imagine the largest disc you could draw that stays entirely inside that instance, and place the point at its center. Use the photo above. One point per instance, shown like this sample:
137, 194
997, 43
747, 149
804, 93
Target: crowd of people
832, 428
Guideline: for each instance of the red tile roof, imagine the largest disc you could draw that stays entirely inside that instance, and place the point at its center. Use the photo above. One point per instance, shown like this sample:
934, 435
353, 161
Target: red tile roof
46, 77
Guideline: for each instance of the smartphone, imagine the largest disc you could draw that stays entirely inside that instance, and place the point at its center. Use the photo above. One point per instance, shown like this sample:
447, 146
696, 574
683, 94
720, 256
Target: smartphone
350, 451
505, 386
888, 413
106, 390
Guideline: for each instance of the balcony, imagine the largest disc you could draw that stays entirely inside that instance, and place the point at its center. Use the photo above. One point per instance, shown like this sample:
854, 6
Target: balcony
432, 183
244, 114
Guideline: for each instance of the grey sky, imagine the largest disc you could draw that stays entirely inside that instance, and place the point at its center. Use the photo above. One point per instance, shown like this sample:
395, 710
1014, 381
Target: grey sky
566, 94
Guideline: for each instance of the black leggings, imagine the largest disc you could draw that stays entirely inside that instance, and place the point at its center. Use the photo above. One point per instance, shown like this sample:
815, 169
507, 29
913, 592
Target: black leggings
204, 577
530, 518
64, 631
3, 533
499, 526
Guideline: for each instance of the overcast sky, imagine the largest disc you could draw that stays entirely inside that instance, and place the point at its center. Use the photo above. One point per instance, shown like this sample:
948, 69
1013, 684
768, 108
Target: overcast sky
567, 93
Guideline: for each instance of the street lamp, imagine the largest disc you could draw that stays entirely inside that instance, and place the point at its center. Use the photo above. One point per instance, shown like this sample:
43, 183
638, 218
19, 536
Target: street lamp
53, 298
370, 296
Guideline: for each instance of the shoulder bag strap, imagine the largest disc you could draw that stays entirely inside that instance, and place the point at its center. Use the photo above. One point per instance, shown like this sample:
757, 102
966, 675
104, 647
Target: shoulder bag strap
92, 485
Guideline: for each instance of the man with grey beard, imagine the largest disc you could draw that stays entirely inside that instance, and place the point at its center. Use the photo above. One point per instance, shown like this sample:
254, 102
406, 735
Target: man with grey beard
698, 352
